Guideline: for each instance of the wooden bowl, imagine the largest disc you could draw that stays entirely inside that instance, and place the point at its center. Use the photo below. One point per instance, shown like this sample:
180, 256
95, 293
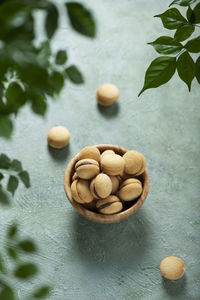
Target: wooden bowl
132, 206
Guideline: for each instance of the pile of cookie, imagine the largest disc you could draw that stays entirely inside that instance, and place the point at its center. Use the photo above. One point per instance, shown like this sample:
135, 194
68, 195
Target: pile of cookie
105, 182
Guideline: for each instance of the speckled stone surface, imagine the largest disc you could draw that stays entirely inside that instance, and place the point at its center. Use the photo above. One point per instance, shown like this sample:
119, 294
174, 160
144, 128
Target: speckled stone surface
84, 260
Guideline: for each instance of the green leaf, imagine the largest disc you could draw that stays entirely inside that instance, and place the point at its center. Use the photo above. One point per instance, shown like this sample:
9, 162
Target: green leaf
39, 105
5, 161
6, 293
166, 45
159, 72
24, 176
1, 176
12, 253
190, 15
197, 69
44, 53
81, 19
57, 81
27, 246
51, 21
74, 74
4, 200
26, 270
183, 32
15, 97
12, 184
2, 268
193, 45
12, 231
185, 68
61, 57
182, 2
197, 13
16, 165
172, 18
42, 292
6, 126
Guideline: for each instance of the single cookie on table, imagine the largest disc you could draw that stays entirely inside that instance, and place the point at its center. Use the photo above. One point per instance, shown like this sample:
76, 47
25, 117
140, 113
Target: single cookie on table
87, 168
115, 184
106, 152
112, 164
110, 205
130, 189
101, 186
58, 137
90, 152
107, 94
81, 191
135, 162
172, 267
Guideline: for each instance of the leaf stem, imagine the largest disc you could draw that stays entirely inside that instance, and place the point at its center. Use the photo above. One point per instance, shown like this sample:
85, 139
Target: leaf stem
181, 52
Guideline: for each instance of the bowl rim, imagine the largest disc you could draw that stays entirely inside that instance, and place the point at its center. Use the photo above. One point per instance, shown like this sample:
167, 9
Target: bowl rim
100, 217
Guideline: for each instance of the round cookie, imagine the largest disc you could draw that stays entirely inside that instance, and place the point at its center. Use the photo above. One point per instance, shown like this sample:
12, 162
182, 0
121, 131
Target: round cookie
101, 186
110, 205
75, 176
115, 184
106, 152
135, 162
172, 267
90, 152
130, 189
112, 164
81, 191
87, 168
107, 94
58, 137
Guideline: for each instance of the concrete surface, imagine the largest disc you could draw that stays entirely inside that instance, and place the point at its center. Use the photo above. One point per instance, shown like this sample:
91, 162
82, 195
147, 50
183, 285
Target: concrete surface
83, 260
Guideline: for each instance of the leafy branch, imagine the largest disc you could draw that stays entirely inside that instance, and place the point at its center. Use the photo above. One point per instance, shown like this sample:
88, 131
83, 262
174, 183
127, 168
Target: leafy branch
16, 249
29, 74
161, 70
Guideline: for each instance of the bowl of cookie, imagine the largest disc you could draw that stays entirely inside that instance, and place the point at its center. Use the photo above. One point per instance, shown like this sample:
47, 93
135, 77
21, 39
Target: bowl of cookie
106, 183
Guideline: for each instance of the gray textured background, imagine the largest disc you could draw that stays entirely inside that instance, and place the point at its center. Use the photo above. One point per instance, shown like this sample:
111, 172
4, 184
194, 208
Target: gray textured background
84, 260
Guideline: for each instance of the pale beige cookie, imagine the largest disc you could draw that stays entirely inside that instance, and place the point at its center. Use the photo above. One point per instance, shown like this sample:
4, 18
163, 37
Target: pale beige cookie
107, 94
110, 205
115, 184
130, 189
90, 152
135, 162
106, 152
58, 137
101, 186
87, 168
172, 267
112, 164
81, 191
75, 176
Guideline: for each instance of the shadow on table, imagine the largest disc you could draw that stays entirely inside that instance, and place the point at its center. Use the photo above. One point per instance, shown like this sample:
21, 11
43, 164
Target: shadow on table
121, 243
175, 288
109, 111
59, 155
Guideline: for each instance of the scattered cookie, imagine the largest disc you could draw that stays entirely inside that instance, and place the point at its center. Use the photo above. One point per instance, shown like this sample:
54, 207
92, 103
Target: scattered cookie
58, 137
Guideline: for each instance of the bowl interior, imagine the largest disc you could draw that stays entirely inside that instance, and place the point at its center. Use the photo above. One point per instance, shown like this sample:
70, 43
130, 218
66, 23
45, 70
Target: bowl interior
129, 207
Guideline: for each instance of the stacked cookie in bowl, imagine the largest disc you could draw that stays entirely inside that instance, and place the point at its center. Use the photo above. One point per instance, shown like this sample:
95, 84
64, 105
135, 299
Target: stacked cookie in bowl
107, 182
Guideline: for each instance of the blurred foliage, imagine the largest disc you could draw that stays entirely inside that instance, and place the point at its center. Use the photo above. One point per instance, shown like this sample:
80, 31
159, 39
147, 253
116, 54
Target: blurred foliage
21, 268
29, 74
15, 173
